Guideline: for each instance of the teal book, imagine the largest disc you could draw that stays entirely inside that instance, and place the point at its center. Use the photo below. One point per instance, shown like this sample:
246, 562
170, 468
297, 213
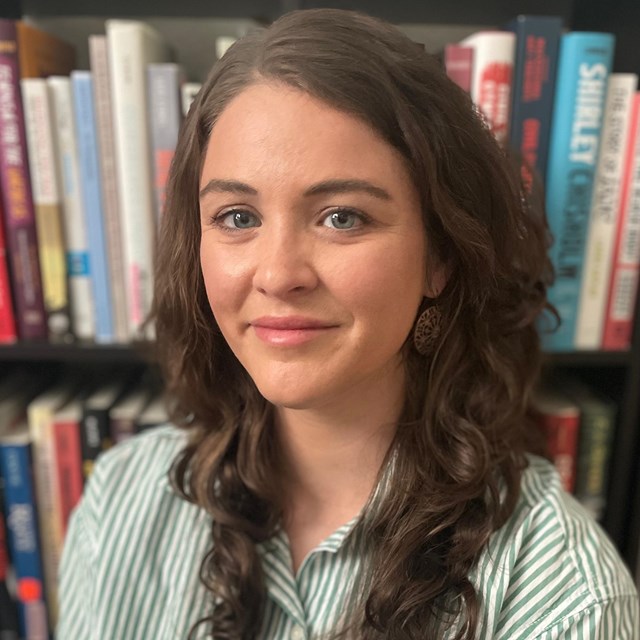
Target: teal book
584, 66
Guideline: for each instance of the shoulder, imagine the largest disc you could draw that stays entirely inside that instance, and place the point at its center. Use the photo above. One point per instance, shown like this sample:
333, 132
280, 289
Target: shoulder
551, 565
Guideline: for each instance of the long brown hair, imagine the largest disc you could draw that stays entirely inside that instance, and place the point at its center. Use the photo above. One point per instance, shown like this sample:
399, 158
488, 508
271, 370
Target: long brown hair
460, 445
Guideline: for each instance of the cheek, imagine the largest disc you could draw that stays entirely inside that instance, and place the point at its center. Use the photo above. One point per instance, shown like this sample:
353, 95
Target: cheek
223, 279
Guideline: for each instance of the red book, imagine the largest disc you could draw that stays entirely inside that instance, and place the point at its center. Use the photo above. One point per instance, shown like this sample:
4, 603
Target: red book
458, 62
623, 289
7, 319
19, 213
68, 457
559, 419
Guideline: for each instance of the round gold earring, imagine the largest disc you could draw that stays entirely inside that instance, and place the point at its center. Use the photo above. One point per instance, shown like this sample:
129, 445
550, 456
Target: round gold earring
427, 330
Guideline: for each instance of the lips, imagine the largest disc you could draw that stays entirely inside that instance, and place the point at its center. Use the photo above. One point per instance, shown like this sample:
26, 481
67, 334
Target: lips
290, 330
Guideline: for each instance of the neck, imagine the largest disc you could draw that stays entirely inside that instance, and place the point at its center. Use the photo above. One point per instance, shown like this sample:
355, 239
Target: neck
332, 454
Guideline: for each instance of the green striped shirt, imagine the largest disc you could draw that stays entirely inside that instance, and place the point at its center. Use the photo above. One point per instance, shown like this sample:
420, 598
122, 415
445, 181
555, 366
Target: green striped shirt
130, 568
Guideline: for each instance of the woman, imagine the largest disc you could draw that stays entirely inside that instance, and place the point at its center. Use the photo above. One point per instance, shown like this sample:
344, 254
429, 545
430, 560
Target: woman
348, 278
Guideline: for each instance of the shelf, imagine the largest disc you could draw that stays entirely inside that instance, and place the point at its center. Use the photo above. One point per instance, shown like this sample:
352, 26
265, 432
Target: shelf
588, 359
80, 353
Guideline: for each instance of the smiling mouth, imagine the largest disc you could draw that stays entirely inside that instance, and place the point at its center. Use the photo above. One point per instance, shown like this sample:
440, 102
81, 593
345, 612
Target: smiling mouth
290, 331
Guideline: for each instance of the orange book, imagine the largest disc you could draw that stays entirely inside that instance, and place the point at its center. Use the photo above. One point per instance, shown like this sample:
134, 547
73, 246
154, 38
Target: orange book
42, 54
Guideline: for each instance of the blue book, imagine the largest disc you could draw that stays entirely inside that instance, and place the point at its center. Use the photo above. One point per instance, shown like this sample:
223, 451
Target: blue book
581, 87
534, 79
22, 530
82, 85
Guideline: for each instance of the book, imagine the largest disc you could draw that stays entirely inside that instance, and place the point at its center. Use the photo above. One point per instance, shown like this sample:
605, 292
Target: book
75, 228
165, 115
583, 70
597, 425
43, 54
493, 59
132, 46
559, 419
68, 458
95, 425
82, 89
458, 63
8, 613
15, 186
534, 78
22, 527
48, 207
99, 62
189, 91
623, 286
40, 418
605, 209
153, 415
8, 333
125, 413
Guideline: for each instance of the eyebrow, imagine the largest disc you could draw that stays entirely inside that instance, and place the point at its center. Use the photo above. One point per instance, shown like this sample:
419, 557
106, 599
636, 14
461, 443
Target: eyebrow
325, 187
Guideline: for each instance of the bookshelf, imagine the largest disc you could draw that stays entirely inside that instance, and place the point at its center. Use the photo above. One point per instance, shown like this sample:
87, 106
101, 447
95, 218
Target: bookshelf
186, 26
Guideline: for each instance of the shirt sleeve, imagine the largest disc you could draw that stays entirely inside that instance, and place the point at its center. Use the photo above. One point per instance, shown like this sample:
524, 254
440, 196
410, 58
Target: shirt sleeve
77, 577
615, 619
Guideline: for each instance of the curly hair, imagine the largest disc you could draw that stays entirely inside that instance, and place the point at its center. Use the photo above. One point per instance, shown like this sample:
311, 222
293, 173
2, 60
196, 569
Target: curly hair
459, 450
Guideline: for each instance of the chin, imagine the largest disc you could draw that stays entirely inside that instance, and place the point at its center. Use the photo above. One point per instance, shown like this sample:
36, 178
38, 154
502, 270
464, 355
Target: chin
289, 398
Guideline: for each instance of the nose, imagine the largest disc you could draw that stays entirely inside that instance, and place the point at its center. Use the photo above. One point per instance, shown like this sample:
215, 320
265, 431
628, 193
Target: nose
284, 263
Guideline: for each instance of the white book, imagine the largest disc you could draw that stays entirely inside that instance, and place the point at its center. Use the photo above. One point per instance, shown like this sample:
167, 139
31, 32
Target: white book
77, 244
492, 77
98, 55
188, 93
605, 208
132, 46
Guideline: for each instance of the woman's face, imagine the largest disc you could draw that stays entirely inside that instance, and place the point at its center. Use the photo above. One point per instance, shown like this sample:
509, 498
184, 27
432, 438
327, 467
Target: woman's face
312, 247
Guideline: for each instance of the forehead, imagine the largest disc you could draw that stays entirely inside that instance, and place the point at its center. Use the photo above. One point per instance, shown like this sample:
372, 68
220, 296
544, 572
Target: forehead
274, 129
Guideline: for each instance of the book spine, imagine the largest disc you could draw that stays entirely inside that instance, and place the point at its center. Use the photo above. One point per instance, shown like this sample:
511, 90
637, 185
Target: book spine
594, 453
8, 612
66, 436
493, 58
132, 46
46, 197
104, 123
122, 429
561, 433
49, 517
8, 333
188, 93
82, 86
583, 71
605, 209
624, 279
458, 62
95, 437
16, 468
536, 57
78, 261
165, 113
20, 226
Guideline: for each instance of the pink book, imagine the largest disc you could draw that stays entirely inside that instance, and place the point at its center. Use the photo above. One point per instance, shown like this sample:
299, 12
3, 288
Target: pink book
7, 319
624, 277
458, 62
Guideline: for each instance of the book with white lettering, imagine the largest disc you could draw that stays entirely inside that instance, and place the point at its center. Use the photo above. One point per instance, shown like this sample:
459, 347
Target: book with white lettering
132, 47
581, 86
99, 62
605, 209
77, 242
38, 117
623, 287
492, 77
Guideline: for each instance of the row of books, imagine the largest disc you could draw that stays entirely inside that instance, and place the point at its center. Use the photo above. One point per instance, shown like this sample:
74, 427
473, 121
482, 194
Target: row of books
84, 159
50, 437
578, 424
551, 97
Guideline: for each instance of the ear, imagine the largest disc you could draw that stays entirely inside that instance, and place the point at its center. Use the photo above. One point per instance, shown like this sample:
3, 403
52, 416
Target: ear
436, 280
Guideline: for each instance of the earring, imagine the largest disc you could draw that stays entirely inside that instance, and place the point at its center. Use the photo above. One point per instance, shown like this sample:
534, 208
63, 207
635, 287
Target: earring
427, 330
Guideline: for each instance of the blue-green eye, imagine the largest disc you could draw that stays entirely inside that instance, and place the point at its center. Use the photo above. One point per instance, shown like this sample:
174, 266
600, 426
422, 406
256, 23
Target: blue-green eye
239, 219
343, 219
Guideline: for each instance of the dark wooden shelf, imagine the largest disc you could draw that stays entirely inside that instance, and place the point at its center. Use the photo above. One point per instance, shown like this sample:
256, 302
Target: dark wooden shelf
589, 359
81, 353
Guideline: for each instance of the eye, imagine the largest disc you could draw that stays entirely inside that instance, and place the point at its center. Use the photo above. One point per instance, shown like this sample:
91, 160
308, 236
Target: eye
237, 219
344, 219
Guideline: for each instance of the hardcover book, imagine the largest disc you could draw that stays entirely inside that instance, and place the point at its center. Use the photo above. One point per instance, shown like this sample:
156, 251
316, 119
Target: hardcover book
583, 71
